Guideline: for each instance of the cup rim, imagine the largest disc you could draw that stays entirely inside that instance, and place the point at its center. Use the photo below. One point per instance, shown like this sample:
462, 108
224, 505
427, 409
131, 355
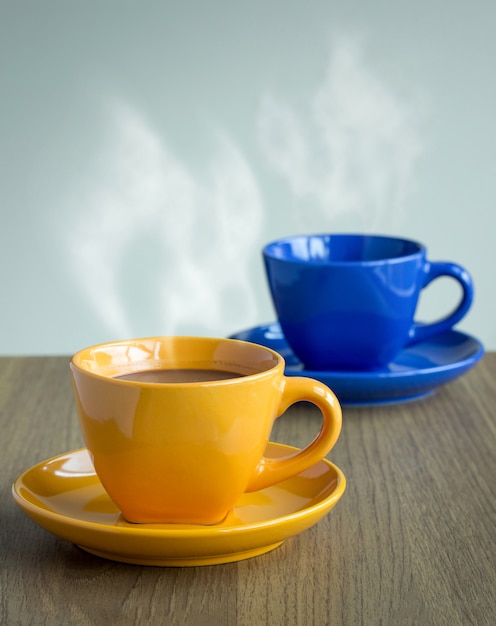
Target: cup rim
269, 248
76, 361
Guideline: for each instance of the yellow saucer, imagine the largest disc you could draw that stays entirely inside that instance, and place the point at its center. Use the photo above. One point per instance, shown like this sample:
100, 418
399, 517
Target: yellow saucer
65, 496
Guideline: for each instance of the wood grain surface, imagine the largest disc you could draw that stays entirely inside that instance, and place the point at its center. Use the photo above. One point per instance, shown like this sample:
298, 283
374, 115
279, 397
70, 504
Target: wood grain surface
413, 540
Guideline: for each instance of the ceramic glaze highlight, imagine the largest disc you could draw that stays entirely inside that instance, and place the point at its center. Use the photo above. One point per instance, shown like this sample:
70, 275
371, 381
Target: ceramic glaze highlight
347, 302
185, 452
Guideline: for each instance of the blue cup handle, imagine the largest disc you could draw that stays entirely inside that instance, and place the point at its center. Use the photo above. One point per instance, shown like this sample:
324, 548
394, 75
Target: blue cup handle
433, 270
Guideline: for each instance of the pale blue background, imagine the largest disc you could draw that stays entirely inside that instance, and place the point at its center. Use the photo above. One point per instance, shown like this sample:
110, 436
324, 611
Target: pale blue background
149, 149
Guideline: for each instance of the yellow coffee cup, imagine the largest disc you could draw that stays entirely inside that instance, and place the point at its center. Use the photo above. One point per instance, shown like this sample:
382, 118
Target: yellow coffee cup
177, 426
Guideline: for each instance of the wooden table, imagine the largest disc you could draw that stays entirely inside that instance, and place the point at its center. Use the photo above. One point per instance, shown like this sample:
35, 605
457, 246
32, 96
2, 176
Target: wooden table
413, 540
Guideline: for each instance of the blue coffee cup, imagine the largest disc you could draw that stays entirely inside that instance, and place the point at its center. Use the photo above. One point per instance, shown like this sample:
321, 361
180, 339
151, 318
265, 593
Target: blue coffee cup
348, 301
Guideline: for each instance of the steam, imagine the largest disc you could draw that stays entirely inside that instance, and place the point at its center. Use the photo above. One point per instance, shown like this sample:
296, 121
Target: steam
160, 248
352, 151
150, 221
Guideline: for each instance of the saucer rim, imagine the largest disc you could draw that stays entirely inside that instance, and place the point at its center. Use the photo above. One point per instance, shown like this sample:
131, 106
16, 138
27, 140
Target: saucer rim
377, 387
157, 530
364, 374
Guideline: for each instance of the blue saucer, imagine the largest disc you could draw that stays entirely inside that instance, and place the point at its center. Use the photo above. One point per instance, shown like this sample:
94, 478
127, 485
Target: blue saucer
416, 372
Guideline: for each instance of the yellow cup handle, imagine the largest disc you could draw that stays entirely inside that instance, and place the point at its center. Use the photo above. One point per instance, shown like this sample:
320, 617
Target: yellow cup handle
298, 389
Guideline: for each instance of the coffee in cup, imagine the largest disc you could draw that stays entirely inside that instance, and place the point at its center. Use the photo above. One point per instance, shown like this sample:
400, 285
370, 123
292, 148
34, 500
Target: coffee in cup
347, 301
177, 426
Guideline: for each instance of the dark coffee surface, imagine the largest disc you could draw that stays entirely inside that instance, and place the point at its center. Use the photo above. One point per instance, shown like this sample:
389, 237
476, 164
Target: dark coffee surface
178, 375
